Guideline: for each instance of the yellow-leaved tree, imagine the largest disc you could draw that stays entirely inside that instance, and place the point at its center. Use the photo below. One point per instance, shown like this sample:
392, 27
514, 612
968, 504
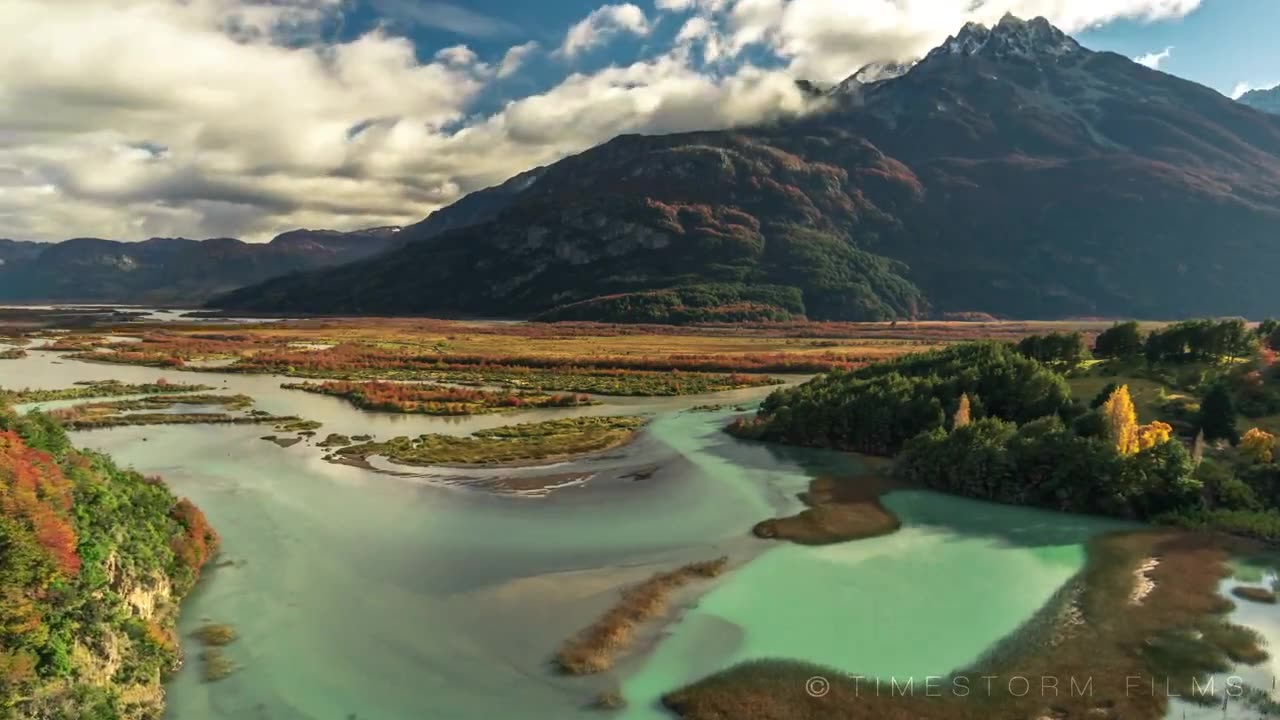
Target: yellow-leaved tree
1122, 424
1153, 434
1258, 445
962, 416
1121, 420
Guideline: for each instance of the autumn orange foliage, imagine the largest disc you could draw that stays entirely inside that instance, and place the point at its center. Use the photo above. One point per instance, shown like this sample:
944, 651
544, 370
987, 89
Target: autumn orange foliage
199, 542
1122, 422
1258, 445
34, 490
963, 414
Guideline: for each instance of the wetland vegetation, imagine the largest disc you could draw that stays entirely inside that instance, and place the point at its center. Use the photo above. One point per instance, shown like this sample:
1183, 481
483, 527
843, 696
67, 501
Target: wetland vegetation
1074, 419
526, 442
430, 399
155, 406
216, 634
839, 510
1134, 651
98, 389
595, 648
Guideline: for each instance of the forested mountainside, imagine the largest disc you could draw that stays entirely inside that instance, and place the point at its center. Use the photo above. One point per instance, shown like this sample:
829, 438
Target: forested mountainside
169, 270
93, 563
1011, 171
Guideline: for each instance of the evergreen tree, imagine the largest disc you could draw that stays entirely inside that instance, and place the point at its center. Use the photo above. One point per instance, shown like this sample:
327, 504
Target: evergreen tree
1104, 395
1122, 340
1273, 340
1218, 414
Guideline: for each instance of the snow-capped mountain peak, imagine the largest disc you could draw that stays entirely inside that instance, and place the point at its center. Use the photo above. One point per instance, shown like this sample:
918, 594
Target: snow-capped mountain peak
1011, 37
872, 73
878, 71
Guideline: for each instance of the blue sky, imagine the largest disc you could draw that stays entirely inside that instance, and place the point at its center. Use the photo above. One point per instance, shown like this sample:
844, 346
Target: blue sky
132, 119
1222, 44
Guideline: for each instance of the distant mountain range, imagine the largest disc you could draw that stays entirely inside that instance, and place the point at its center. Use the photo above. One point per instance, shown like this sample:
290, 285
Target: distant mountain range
1011, 171
1265, 100
170, 270
189, 272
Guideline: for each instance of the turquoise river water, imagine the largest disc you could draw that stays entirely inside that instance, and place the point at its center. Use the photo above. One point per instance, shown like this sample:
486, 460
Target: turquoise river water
364, 595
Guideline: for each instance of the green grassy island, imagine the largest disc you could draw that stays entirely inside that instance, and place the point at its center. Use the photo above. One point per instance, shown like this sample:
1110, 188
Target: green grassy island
98, 389
154, 410
527, 442
432, 399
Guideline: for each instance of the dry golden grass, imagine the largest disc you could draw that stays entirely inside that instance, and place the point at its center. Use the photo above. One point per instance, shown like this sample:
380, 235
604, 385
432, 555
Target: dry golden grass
597, 647
1133, 656
1146, 393
871, 340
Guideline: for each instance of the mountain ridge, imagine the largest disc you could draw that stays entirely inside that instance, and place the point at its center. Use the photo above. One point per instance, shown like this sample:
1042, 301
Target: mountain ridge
1012, 172
170, 270
1266, 100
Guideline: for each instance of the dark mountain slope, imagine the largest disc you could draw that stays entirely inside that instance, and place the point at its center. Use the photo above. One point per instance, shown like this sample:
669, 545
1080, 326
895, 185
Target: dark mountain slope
1013, 171
477, 207
638, 213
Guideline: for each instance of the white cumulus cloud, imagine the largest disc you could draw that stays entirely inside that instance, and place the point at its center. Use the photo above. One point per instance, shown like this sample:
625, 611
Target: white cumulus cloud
827, 40
516, 57
140, 118
602, 24
1153, 59
1243, 87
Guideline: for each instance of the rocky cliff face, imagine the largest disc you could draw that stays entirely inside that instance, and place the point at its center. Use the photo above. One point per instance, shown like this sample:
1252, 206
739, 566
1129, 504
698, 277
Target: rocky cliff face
1011, 171
150, 601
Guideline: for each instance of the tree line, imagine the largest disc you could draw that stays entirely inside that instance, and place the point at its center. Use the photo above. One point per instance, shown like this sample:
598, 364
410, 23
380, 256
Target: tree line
984, 420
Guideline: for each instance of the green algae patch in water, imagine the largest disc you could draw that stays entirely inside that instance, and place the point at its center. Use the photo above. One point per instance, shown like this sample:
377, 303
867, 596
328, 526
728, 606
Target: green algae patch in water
1126, 646
874, 606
